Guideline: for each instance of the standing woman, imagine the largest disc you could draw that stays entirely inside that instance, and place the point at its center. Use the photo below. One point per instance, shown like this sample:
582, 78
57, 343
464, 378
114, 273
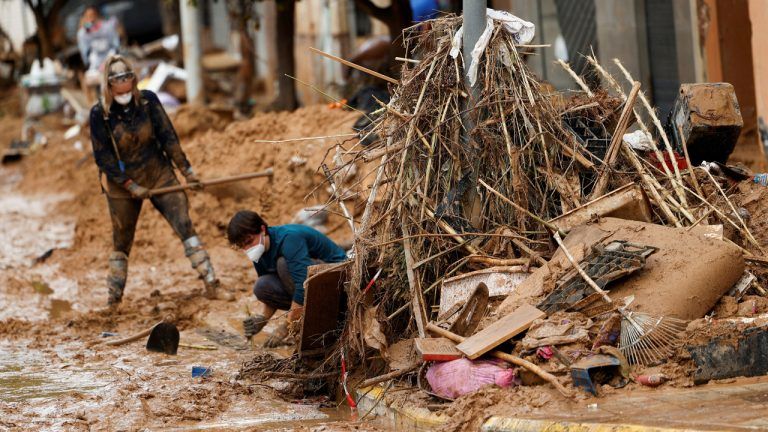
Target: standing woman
136, 147
97, 39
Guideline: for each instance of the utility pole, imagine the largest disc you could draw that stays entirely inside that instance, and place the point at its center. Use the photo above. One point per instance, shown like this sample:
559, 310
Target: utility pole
190, 36
474, 25
474, 14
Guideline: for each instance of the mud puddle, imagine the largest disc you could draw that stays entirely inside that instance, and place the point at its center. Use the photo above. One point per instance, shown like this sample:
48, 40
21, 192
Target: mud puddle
25, 376
27, 230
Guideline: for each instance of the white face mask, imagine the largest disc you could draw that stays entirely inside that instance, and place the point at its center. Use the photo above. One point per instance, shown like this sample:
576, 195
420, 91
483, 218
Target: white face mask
124, 99
255, 252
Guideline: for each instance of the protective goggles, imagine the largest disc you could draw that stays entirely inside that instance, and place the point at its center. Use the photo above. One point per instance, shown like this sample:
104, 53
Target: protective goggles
121, 77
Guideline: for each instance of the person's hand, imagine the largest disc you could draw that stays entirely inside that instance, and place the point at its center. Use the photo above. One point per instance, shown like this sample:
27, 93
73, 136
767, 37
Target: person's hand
192, 180
253, 324
136, 190
278, 336
295, 312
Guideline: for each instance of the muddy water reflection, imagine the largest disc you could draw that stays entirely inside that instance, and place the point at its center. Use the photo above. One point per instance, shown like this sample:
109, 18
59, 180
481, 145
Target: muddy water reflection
26, 375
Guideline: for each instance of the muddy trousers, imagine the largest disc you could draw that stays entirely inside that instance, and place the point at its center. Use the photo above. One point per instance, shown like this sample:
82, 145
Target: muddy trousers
174, 207
276, 289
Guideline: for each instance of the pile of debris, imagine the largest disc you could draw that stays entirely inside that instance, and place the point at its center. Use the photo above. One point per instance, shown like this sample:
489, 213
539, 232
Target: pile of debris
522, 235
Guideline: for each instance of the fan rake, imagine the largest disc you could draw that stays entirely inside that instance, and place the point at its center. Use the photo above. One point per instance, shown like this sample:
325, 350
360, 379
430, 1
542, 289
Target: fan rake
645, 339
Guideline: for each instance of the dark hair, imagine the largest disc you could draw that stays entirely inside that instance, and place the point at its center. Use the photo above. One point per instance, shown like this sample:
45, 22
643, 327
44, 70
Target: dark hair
88, 7
242, 226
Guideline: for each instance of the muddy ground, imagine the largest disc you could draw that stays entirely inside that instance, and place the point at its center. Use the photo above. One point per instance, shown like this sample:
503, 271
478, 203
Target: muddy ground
55, 372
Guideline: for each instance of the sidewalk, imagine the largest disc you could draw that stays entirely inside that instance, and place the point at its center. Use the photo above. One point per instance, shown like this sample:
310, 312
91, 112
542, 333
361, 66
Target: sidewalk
742, 405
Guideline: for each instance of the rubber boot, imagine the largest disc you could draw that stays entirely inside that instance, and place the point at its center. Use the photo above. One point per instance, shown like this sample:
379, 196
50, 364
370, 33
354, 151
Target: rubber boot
201, 262
118, 274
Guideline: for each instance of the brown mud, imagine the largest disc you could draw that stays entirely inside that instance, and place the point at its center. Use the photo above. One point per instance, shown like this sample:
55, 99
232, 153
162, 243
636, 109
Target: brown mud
55, 372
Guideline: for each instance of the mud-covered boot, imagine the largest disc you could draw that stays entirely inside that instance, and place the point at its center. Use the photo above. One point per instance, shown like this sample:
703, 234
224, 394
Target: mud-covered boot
201, 262
118, 273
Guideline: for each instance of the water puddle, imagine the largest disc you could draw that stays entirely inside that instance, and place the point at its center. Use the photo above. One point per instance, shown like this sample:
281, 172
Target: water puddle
59, 308
28, 231
299, 416
31, 289
25, 375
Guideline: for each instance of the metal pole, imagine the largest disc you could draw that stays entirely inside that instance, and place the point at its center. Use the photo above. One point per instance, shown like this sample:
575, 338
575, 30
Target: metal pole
474, 25
190, 36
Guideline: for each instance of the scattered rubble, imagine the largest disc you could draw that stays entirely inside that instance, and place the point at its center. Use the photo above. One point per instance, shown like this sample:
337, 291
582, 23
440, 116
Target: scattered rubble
651, 241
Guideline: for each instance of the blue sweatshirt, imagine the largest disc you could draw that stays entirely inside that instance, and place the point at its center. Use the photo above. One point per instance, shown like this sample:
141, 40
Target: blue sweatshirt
298, 244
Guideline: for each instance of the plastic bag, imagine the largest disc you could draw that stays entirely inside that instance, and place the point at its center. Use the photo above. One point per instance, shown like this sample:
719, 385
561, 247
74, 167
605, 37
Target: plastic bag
463, 376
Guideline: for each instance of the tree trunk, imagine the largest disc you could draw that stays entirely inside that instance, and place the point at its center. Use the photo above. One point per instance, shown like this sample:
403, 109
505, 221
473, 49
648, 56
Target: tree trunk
401, 17
286, 63
44, 40
244, 86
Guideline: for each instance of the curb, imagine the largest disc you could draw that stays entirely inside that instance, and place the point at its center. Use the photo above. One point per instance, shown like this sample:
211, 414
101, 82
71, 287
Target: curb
413, 418
405, 417
505, 424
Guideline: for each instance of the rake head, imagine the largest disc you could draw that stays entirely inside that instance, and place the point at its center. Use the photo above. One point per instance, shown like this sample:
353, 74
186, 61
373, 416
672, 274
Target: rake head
646, 339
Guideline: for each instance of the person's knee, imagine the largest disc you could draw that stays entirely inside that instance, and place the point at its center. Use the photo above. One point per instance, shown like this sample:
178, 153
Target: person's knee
269, 290
265, 286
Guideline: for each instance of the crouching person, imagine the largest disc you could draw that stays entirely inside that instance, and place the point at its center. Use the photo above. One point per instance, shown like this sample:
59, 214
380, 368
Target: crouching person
281, 255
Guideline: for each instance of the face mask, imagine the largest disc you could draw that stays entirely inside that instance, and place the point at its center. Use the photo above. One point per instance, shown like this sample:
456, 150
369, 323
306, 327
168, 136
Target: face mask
254, 253
124, 99
88, 25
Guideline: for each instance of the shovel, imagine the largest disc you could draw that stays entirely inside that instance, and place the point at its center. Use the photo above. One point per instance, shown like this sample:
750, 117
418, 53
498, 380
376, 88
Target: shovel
163, 337
269, 172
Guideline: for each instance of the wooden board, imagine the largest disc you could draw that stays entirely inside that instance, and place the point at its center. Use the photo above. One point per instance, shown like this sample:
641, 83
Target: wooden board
500, 331
322, 306
437, 349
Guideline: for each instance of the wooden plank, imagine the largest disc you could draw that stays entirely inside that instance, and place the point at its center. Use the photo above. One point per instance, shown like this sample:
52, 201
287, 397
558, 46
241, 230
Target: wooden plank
437, 349
500, 331
417, 302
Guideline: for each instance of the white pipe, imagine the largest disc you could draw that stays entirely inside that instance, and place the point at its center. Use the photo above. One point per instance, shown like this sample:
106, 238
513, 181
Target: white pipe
190, 35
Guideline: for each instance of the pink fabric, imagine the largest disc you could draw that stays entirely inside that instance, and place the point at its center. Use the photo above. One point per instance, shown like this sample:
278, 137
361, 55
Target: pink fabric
463, 376
545, 352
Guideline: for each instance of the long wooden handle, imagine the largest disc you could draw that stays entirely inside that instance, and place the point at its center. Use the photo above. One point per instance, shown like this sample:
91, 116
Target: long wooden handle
269, 172
355, 66
135, 337
509, 358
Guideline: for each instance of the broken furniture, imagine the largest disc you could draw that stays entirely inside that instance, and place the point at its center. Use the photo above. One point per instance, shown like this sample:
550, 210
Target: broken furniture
627, 202
500, 281
437, 349
604, 264
324, 307
706, 119
500, 331
472, 312
684, 279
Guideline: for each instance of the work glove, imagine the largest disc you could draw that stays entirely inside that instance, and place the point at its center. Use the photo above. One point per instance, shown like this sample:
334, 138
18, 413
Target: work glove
192, 180
253, 324
278, 336
136, 190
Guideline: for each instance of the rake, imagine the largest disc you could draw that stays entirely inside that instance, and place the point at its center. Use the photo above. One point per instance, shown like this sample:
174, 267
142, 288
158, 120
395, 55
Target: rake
645, 339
